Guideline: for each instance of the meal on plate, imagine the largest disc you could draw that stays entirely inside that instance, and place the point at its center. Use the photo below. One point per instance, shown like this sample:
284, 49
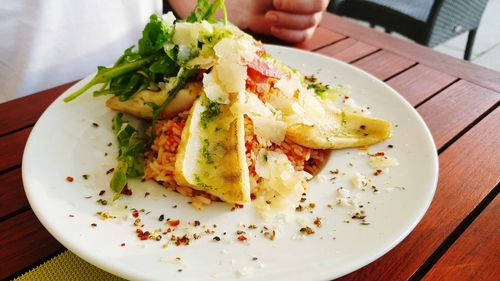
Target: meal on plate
227, 122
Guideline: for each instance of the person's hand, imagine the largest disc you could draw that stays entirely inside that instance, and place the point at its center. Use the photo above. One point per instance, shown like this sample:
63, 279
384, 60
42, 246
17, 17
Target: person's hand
290, 20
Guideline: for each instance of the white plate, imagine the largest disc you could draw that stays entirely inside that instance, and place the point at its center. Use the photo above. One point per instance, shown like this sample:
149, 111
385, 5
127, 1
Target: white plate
64, 143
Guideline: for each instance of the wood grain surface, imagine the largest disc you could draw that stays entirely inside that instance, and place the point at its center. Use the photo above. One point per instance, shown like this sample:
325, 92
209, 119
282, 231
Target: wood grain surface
420, 82
455, 108
475, 255
384, 64
33, 106
348, 50
24, 242
468, 172
458, 237
321, 37
12, 196
455, 67
12, 147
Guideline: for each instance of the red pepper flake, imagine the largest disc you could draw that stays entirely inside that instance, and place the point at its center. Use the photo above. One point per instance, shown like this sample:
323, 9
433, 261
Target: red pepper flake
184, 240
69, 179
174, 222
242, 238
126, 190
377, 172
317, 221
122, 244
142, 235
379, 154
135, 213
239, 206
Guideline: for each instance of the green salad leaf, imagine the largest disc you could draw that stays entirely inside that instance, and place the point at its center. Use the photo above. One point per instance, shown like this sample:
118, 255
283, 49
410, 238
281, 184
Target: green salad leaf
105, 74
154, 36
206, 11
131, 148
151, 63
155, 60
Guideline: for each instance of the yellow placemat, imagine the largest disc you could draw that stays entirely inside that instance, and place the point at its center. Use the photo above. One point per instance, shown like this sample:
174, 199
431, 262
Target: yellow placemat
66, 266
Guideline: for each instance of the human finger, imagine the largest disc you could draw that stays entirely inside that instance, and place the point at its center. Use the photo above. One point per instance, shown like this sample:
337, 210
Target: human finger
292, 21
300, 6
292, 35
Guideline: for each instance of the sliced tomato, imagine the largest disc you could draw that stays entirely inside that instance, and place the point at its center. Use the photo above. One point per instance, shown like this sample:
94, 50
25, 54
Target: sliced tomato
264, 68
255, 76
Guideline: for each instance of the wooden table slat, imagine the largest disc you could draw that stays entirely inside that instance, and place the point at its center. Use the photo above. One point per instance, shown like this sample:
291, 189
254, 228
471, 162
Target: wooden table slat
468, 172
24, 242
33, 106
322, 37
420, 82
12, 147
452, 96
455, 108
455, 67
348, 50
12, 196
475, 255
384, 64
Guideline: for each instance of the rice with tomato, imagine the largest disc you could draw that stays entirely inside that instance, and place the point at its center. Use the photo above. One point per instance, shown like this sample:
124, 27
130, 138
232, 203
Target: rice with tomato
160, 160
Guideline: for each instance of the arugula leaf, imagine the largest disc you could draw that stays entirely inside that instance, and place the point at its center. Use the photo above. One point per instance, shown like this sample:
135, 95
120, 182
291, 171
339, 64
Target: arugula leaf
183, 76
206, 11
154, 36
105, 74
165, 66
151, 60
131, 148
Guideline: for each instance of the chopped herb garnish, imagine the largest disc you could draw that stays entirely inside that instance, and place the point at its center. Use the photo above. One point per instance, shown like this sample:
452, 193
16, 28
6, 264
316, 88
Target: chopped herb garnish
212, 110
205, 152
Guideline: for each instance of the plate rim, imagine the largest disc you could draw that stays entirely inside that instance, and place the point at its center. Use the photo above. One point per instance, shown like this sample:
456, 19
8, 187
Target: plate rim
325, 274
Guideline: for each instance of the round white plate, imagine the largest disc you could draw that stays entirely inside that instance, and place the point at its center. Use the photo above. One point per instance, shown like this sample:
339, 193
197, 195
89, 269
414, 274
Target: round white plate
64, 143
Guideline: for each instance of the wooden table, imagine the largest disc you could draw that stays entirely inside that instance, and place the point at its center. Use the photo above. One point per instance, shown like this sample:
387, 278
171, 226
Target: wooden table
458, 237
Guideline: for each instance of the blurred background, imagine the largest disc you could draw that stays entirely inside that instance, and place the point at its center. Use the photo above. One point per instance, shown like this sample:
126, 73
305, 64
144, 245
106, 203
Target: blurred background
447, 26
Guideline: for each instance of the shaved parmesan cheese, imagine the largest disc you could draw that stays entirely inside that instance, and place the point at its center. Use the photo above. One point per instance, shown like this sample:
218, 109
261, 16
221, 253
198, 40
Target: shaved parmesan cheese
232, 76
168, 18
269, 129
213, 89
378, 162
346, 199
288, 86
313, 111
238, 50
187, 34
282, 186
360, 181
265, 119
